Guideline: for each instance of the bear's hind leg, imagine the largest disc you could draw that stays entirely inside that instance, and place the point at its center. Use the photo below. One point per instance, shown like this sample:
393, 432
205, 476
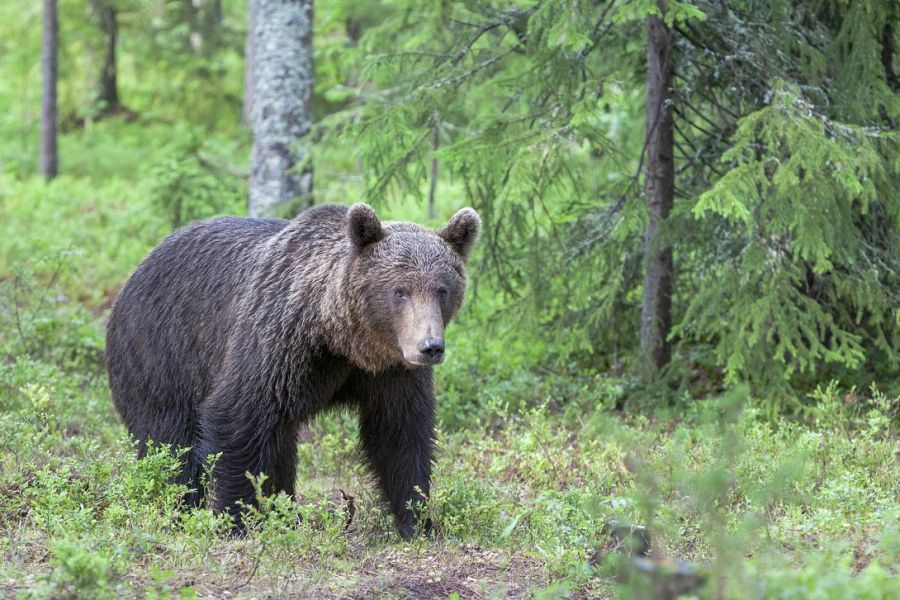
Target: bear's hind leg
173, 424
250, 441
282, 467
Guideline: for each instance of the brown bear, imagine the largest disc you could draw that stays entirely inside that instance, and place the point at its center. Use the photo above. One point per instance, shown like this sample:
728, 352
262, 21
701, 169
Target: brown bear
233, 332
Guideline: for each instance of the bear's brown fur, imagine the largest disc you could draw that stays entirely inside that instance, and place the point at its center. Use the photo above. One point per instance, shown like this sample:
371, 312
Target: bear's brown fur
233, 332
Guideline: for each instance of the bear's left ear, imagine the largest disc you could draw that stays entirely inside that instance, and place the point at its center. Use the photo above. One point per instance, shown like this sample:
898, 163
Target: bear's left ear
363, 226
461, 232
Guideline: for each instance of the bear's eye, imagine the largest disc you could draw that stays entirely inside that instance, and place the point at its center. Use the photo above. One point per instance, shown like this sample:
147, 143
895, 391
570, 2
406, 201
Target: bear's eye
442, 293
399, 294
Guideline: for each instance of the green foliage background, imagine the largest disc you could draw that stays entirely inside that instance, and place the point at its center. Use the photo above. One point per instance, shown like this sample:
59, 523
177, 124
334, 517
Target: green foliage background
785, 227
768, 451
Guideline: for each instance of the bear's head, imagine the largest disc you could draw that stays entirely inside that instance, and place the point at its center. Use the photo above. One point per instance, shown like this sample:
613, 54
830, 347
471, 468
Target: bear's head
408, 281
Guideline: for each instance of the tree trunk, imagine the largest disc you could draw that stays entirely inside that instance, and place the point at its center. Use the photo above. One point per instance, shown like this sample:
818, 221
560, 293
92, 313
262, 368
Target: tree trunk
887, 54
247, 108
190, 14
107, 99
217, 15
282, 106
203, 18
49, 163
656, 313
432, 180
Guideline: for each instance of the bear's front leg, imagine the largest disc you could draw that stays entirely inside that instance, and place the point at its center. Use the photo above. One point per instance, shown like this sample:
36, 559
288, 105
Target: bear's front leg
397, 437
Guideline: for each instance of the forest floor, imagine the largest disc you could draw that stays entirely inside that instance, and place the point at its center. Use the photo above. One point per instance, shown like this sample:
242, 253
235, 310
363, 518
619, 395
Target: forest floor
521, 506
397, 572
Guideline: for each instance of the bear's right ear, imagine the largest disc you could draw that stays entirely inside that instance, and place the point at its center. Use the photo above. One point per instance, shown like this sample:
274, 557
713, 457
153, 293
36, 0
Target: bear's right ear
363, 226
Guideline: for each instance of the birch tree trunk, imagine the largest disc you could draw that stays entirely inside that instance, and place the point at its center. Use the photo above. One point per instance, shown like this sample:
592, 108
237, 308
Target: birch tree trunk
656, 313
190, 14
281, 113
49, 163
203, 18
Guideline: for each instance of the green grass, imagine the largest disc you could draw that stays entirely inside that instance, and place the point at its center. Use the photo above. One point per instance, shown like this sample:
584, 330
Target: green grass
530, 469
764, 508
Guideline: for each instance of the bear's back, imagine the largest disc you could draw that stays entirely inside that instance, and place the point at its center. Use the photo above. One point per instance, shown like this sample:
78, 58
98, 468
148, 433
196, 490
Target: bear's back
169, 327
172, 323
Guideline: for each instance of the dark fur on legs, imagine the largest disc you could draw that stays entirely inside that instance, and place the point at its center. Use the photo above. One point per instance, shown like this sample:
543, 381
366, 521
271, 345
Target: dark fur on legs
396, 430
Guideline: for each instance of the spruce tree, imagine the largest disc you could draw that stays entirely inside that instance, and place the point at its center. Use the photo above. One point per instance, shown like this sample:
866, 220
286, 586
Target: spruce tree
786, 212
788, 119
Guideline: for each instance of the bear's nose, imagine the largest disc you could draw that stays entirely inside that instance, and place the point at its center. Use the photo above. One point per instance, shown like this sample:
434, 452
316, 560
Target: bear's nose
433, 348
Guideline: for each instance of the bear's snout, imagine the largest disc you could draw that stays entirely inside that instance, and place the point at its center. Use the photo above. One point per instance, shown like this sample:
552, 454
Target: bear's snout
432, 349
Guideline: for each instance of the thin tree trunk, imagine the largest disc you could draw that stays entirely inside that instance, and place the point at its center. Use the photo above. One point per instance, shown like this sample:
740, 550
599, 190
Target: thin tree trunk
49, 163
247, 108
190, 14
656, 313
207, 20
282, 106
432, 183
107, 87
887, 54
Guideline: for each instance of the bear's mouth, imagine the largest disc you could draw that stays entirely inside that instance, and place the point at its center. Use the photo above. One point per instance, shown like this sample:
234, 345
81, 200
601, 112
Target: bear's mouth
421, 360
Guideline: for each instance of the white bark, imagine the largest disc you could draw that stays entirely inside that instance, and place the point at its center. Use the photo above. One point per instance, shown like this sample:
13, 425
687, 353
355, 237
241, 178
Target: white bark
281, 112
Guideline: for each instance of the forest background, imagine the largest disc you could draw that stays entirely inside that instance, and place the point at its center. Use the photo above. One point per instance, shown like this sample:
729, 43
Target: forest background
685, 307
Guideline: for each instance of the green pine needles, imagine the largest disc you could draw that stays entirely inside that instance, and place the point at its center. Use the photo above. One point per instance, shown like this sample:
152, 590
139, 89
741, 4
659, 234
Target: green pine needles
811, 279
787, 210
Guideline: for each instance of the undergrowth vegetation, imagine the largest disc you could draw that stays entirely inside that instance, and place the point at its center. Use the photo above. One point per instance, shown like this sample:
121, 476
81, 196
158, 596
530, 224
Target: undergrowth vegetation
532, 465
795, 510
